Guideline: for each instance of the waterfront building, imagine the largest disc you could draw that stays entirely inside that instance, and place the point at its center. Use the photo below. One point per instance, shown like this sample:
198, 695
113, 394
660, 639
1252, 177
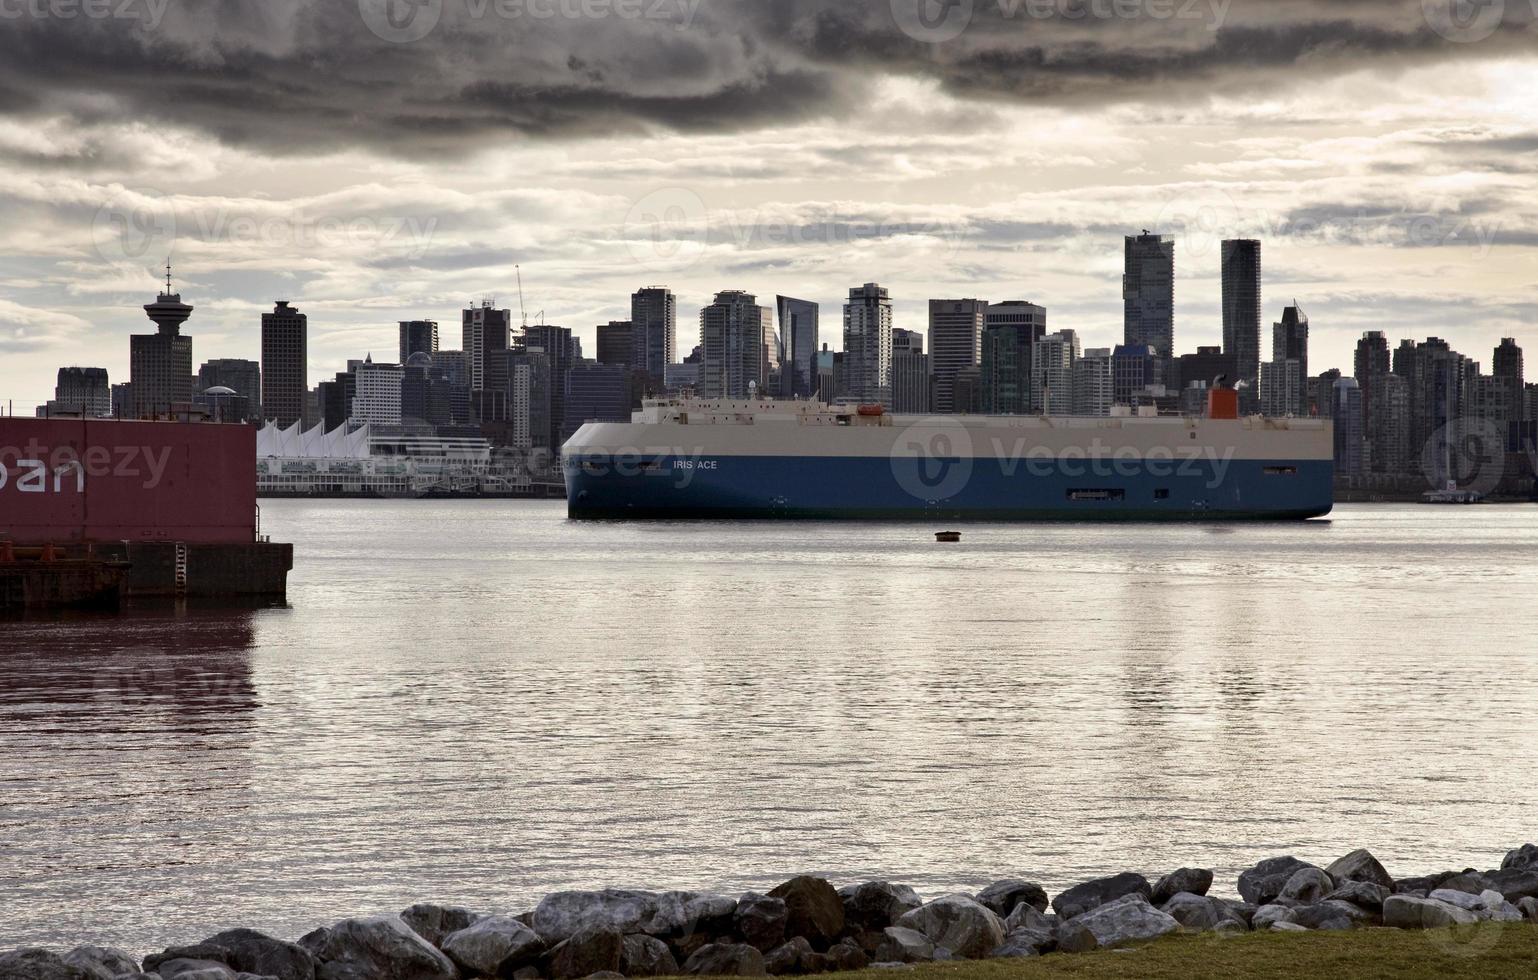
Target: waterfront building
1005, 368
418, 337
1289, 342
284, 363
868, 344
1148, 293
1052, 364
1346, 409
85, 390
160, 364
1281, 388
955, 344
1242, 308
377, 394
654, 326
736, 334
1094, 383
616, 343
910, 373
799, 332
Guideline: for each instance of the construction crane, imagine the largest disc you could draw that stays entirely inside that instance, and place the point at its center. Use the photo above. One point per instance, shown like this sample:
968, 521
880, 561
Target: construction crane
522, 310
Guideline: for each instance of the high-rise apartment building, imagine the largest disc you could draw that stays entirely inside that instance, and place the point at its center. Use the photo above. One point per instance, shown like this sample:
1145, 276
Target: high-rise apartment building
910, 373
736, 334
616, 343
955, 344
1094, 383
1349, 414
486, 334
1242, 306
1148, 293
418, 337
654, 325
1052, 373
868, 344
1283, 388
1289, 342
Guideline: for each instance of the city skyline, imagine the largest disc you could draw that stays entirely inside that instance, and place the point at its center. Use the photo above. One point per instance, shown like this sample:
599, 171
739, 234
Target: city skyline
1392, 190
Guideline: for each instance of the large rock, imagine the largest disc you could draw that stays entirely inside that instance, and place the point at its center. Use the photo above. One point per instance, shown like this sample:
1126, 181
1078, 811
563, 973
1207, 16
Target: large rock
254, 952
561, 915
1423, 884
176, 959
957, 923
1497, 909
647, 956
903, 945
434, 923
678, 914
1126, 920
874, 905
1093, 894
1362, 893
591, 949
790, 957
33, 963
1027, 933
1515, 883
1409, 912
814, 908
482, 947
1192, 881
380, 948
1470, 881
1001, 897
1360, 865
100, 962
1199, 913
1263, 883
1307, 886
726, 960
1525, 856
845, 955
761, 920
187, 968
1330, 915
1529, 907
1268, 915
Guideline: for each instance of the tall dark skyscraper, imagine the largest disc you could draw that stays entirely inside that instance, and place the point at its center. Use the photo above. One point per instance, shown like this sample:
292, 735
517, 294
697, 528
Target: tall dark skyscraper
83, 389
160, 364
654, 322
284, 358
616, 343
485, 333
1289, 338
1242, 306
418, 337
798, 332
562, 351
736, 334
1148, 293
1507, 366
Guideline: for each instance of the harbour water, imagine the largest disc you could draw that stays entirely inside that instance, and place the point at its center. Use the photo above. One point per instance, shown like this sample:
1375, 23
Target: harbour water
480, 702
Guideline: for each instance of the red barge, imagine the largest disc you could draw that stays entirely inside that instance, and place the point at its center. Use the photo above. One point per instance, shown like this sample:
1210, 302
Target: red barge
97, 510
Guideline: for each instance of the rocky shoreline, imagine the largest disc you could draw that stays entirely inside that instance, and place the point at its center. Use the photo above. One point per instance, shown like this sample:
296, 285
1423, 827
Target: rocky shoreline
806, 926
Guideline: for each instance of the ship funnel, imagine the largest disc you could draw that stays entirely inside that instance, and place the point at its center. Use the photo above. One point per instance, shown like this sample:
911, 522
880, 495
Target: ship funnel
1222, 403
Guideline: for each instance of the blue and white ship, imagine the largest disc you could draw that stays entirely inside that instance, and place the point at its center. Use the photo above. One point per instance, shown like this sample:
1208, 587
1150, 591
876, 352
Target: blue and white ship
692, 459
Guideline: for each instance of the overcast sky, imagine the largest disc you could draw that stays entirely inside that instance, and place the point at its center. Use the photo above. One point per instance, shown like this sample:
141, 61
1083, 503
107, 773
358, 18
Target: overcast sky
378, 160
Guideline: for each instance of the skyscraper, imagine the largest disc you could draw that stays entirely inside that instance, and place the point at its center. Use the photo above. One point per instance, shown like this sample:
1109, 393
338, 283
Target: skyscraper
1507, 366
418, 337
799, 333
1242, 306
654, 320
1004, 370
955, 343
910, 373
377, 394
868, 344
1289, 342
1372, 361
1388, 425
486, 334
160, 364
562, 350
1094, 383
241, 376
736, 334
284, 360
1052, 365
1148, 292
1282, 388
616, 343
1350, 427
85, 390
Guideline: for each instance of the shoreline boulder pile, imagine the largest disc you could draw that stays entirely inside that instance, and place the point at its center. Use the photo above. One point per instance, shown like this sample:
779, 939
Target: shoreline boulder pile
806, 926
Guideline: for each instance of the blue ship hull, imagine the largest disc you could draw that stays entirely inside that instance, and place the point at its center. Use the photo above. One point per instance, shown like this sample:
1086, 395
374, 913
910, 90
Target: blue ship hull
875, 488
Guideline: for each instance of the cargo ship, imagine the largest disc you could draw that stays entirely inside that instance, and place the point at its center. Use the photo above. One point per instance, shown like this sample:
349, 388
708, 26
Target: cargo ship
93, 511
693, 459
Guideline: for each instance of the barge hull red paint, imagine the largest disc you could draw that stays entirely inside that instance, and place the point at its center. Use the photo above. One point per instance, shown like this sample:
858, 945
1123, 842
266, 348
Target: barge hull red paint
105, 480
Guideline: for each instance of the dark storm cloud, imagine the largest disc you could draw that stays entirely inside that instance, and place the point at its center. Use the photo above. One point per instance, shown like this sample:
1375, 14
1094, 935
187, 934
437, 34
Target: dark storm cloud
293, 76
